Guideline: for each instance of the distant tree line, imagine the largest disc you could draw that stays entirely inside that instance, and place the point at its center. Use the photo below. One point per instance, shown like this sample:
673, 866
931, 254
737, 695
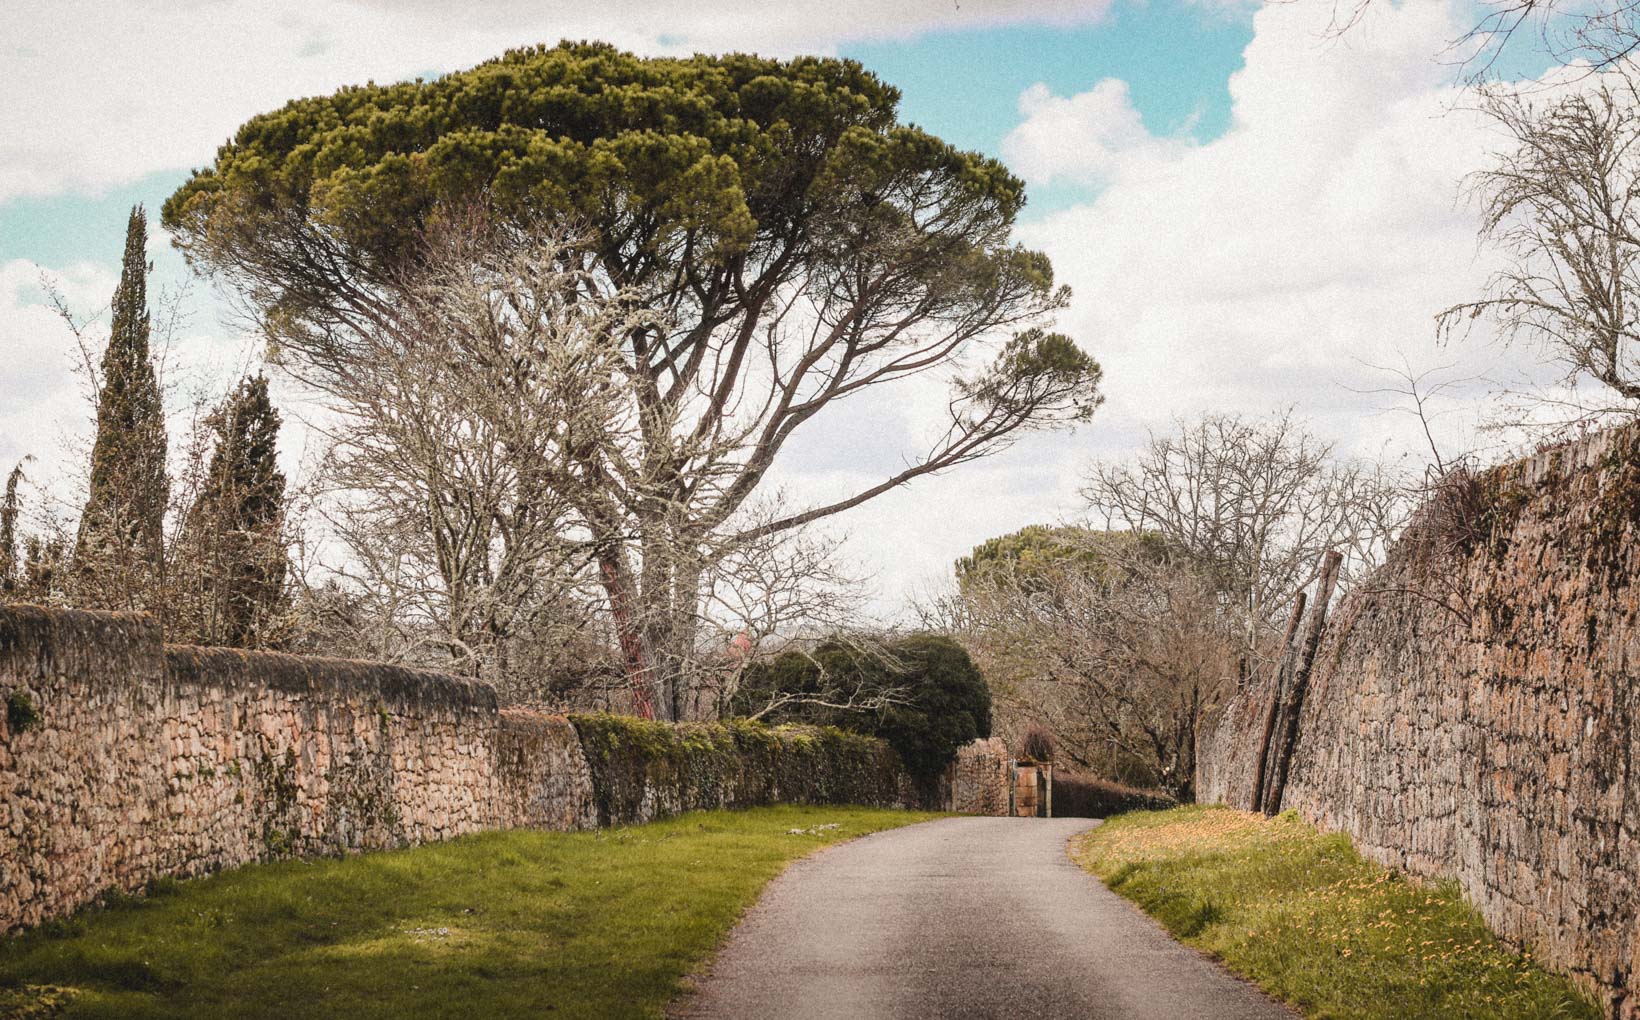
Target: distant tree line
1124, 634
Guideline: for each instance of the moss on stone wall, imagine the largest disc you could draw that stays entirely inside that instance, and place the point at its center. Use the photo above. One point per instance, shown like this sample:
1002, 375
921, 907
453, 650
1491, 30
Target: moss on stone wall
644, 770
21, 713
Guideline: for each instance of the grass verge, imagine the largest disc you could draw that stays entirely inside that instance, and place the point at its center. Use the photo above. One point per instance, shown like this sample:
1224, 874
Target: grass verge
502, 924
1312, 922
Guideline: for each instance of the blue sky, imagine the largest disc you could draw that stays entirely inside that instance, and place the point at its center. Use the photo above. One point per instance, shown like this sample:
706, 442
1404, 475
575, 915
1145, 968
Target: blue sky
60, 229
964, 86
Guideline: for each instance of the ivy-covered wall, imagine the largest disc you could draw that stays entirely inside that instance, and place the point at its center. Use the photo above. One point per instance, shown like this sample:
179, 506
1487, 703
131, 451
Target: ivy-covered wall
1473, 709
123, 759
645, 770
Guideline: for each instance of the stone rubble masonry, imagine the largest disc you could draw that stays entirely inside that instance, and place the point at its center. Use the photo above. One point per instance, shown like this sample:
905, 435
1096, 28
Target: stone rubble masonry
980, 778
123, 759
1472, 711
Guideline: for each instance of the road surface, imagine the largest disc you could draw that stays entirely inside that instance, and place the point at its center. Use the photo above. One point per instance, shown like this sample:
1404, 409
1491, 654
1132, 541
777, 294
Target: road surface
956, 919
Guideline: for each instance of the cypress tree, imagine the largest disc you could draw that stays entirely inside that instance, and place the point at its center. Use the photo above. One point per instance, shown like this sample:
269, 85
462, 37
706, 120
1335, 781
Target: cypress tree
9, 567
119, 552
233, 532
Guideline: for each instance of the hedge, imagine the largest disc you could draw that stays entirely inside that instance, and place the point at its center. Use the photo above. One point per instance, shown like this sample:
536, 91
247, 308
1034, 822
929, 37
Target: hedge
1078, 796
644, 770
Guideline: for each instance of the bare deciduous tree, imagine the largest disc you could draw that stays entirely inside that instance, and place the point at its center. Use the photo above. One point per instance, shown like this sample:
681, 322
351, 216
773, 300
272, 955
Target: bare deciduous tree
1127, 637
835, 680
1255, 504
1561, 206
455, 427
1597, 35
504, 400
1121, 649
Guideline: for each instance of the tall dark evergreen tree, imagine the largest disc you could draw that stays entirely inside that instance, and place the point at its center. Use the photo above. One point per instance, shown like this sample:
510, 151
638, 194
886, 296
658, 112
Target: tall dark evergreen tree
119, 553
10, 569
232, 536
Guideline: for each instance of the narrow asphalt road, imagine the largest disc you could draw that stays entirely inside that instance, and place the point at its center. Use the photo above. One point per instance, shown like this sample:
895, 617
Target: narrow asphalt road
956, 919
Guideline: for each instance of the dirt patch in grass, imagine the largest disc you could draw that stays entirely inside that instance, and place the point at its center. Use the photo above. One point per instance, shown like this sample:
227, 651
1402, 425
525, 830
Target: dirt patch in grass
1313, 923
496, 925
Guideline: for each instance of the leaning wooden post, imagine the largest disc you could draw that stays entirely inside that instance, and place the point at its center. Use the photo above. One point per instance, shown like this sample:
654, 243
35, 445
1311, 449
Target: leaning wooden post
1276, 685
1288, 736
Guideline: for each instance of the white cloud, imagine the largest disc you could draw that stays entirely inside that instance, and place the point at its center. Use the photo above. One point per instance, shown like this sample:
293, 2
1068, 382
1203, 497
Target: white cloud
1250, 273
1322, 229
1091, 138
772, 25
100, 94
42, 409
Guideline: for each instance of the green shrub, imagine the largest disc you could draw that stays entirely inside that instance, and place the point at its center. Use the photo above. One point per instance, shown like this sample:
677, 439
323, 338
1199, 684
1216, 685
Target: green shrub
949, 704
643, 769
829, 672
946, 700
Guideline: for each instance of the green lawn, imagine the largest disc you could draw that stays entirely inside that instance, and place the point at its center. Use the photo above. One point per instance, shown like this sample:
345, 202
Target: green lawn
505, 924
1313, 923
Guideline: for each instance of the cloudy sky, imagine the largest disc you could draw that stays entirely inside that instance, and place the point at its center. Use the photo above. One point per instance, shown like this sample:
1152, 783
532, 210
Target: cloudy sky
1252, 210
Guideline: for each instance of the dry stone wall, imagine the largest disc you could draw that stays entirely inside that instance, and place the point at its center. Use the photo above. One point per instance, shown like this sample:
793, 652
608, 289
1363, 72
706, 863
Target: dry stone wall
980, 778
1472, 712
123, 759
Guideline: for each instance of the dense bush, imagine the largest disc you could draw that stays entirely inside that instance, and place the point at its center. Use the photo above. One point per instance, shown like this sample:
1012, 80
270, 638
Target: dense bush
1077, 796
949, 704
645, 770
833, 671
1036, 744
944, 703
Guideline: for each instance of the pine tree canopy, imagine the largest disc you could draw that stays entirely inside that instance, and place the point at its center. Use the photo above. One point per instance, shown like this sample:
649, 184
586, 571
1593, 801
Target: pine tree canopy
699, 154
712, 181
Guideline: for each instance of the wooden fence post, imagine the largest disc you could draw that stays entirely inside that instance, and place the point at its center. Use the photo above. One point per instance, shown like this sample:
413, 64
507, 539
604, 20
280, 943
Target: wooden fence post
1287, 731
1277, 683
